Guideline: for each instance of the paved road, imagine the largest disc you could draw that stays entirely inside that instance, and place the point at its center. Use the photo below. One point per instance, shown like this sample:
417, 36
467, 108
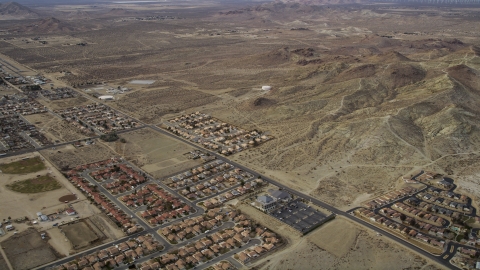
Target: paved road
30, 150
92, 250
330, 208
224, 226
405, 243
104, 191
225, 256
220, 258
326, 206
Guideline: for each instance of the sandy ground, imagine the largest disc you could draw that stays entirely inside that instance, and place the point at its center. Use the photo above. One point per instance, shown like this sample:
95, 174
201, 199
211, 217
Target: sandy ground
55, 128
65, 247
27, 250
327, 237
68, 155
155, 153
347, 246
340, 136
58, 241
17, 205
4, 263
107, 226
65, 103
79, 234
279, 227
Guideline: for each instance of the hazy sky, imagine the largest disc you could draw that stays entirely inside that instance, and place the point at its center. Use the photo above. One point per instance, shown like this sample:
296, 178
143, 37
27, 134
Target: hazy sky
32, 2
37, 2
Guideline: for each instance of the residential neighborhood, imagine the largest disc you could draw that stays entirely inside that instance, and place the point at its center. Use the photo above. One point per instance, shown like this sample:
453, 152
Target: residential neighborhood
430, 217
214, 134
96, 118
116, 255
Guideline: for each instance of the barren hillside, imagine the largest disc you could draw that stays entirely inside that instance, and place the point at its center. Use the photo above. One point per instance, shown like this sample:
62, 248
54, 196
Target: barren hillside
361, 95
15, 11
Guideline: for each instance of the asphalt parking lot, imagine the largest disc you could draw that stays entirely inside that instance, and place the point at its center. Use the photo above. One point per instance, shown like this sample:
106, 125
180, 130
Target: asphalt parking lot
299, 215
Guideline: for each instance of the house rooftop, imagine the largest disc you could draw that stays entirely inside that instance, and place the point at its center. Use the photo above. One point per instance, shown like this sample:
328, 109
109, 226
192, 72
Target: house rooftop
279, 194
265, 199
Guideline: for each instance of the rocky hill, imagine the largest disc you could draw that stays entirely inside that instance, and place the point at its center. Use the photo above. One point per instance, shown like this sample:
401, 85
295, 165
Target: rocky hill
47, 25
115, 12
16, 11
367, 110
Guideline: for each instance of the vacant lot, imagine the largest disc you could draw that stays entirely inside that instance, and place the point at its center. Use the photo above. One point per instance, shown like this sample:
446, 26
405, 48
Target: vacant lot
149, 106
154, 152
79, 234
327, 237
55, 128
35, 185
3, 263
29, 165
341, 244
69, 156
65, 103
16, 204
27, 250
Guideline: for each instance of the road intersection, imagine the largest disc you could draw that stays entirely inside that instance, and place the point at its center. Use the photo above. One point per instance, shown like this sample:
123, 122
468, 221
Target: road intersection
441, 259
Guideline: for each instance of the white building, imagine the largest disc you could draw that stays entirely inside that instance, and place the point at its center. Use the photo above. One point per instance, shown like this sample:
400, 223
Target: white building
105, 97
266, 203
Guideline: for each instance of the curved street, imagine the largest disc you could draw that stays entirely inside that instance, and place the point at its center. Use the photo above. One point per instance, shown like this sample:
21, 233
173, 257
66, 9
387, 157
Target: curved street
441, 259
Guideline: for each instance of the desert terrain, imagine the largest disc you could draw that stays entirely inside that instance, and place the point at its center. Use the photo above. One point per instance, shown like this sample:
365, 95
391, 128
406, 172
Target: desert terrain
18, 204
356, 249
153, 152
362, 94
69, 156
21, 206
339, 244
55, 128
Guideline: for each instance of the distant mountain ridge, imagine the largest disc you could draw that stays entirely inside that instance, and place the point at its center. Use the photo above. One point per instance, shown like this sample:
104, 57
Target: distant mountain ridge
53, 25
47, 25
13, 10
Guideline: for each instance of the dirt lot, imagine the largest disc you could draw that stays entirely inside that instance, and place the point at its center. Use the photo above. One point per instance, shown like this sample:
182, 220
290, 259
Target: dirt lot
21, 166
104, 228
70, 156
17, 205
326, 237
361, 96
27, 42
27, 250
41, 183
79, 234
155, 153
3, 263
360, 250
67, 198
54, 128
149, 106
277, 226
65, 103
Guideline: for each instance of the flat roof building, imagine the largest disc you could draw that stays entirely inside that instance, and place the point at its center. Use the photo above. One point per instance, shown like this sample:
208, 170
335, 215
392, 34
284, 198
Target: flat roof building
266, 203
280, 195
105, 97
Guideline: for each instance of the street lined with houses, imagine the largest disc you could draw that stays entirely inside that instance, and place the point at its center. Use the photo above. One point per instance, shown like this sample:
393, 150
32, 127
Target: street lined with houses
300, 219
